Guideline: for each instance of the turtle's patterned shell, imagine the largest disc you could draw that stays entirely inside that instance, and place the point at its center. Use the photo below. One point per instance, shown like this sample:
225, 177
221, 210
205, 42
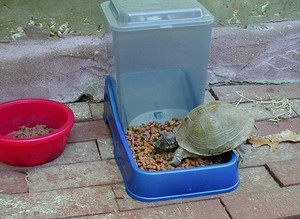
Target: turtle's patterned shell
214, 128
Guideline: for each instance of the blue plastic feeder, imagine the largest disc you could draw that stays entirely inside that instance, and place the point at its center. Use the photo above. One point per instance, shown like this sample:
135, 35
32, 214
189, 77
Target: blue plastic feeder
168, 184
159, 56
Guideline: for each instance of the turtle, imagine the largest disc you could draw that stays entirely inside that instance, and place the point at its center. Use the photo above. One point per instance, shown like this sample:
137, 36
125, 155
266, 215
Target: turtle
209, 129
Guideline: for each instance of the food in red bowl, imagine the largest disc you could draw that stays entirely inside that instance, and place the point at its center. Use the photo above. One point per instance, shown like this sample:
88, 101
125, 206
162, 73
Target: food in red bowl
56, 120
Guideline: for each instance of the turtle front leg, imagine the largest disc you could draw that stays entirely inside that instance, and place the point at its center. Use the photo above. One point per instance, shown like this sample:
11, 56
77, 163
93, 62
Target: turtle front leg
179, 155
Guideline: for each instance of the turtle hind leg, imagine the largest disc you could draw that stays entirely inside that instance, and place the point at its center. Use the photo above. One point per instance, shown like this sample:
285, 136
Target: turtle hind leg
179, 155
242, 152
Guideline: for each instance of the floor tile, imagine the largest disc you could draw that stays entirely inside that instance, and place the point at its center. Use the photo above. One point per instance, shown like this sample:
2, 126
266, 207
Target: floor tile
286, 172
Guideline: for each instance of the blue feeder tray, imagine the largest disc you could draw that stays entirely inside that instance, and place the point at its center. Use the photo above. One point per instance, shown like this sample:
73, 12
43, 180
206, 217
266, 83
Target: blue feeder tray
168, 184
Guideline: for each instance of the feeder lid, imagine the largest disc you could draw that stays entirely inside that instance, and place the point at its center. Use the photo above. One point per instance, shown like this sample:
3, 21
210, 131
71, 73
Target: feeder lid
152, 14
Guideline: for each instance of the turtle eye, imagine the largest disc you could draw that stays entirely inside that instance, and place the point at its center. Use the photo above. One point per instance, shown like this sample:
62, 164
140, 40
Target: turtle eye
169, 141
161, 143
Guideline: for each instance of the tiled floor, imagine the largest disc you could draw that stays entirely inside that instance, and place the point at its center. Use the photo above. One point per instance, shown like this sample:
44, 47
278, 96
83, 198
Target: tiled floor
85, 182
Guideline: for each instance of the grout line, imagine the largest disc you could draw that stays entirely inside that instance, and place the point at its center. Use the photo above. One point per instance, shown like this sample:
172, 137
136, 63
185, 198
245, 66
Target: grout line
225, 208
273, 175
212, 92
98, 149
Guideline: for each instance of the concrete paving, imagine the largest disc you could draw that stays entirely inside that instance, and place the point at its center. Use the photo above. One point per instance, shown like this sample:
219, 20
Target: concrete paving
265, 53
61, 69
66, 68
85, 182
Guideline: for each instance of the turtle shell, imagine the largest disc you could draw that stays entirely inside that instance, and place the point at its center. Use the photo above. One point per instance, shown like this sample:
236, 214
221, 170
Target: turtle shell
214, 128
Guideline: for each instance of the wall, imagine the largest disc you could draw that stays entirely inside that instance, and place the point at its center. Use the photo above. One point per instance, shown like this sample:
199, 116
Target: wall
243, 12
83, 16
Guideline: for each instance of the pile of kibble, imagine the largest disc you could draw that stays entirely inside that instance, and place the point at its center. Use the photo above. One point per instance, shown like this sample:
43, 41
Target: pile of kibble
30, 132
142, 139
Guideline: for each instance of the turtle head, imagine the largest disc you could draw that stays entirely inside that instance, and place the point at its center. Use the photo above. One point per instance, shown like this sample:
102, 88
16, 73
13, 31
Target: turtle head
166, 141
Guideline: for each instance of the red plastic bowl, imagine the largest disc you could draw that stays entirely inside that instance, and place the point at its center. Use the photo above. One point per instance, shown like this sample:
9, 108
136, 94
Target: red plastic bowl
31, 112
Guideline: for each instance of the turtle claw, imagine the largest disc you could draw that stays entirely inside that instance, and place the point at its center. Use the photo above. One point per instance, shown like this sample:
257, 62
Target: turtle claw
175, 161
